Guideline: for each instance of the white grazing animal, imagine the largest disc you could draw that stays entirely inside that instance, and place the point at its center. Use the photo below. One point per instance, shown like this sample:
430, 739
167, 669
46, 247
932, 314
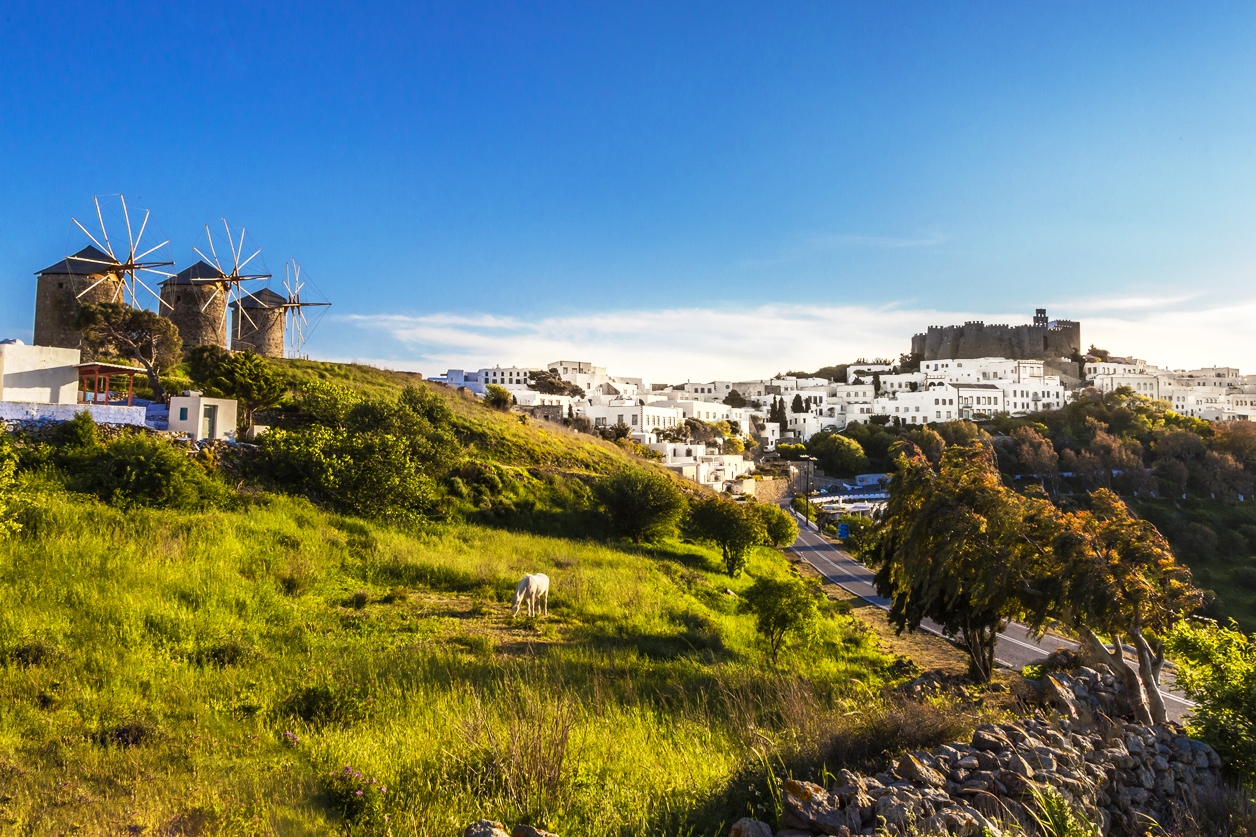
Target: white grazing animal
533, 587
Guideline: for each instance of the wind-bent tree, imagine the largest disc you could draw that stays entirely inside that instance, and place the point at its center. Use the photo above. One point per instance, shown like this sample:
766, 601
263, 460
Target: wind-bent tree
735, 528
640, 504
111, 329
1114, 575
955, 546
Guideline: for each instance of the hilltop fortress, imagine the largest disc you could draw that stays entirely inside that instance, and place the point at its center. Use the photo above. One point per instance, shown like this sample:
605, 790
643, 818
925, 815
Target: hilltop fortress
1041, 340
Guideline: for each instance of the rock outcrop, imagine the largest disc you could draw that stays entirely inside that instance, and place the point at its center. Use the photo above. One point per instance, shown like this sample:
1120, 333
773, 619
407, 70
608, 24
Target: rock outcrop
1116, 773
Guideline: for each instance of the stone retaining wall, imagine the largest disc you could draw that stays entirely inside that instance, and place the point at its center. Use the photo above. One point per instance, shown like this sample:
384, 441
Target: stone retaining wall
22, 412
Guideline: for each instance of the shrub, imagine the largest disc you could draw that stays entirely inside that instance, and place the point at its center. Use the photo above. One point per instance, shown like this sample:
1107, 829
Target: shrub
1216, 668
359, 798
8, 467
640, 504
139, 470
497, 398
326, 403
365, 474
327, 703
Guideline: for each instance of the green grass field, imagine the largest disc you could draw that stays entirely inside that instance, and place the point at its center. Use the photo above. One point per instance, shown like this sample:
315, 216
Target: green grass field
186, 673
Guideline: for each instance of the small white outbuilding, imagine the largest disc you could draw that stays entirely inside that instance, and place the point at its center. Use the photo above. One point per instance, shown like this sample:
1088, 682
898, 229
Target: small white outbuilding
203, 418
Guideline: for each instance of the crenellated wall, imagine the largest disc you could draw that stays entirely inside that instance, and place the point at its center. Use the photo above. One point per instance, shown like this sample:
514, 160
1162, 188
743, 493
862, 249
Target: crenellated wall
977, 339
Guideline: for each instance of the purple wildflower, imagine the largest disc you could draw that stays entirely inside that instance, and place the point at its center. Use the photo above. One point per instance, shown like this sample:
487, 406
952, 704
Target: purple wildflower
359, 793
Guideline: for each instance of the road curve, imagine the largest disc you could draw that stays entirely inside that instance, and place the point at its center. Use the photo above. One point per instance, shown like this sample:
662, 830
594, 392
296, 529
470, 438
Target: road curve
1015, 647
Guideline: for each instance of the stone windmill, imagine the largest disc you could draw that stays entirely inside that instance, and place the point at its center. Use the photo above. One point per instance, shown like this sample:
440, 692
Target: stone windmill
100, 272
200, 295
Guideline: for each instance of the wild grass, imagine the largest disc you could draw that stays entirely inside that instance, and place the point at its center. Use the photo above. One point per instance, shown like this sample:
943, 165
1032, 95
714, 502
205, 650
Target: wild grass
216, 672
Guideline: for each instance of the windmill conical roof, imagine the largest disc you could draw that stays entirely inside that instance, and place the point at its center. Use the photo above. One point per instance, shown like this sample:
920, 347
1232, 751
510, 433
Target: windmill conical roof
265, 298
200, 272
86, 262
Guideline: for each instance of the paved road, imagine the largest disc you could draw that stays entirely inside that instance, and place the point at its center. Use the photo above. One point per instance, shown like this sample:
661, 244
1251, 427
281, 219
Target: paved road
1015, 646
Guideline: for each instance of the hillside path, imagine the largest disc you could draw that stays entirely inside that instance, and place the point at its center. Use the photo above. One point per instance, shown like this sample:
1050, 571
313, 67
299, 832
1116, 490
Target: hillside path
1015, 647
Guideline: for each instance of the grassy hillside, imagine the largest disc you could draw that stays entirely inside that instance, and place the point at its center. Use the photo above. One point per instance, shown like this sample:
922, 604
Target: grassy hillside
502, 435
216, 672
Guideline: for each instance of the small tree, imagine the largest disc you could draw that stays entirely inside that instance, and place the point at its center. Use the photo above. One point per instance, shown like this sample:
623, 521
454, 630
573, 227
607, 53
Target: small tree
639, 503
781, 607
1216, 667
111, 329
203, 362
249, 379
735, 399
734, 527
797, 406
781, 528
497, 398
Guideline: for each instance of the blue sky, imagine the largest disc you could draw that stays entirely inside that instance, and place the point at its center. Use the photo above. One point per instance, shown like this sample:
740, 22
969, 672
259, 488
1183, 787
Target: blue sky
679, 190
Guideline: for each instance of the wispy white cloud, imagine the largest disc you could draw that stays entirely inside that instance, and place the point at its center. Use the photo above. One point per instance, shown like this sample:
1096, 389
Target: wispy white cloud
675, 344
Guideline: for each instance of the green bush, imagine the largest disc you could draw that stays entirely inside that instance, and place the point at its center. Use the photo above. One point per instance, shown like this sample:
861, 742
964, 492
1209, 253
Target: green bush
8, 467
782, 607
134, 470
497, 398
359, 798
1216, 667
640, 504
781, 528
372, 475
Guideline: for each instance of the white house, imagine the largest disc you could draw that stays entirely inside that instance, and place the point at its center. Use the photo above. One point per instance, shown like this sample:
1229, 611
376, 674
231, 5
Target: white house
459, 378
974, 401
702, 464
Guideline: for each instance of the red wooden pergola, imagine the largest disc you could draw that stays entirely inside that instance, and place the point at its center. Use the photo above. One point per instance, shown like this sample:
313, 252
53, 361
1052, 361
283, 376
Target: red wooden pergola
91, 374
